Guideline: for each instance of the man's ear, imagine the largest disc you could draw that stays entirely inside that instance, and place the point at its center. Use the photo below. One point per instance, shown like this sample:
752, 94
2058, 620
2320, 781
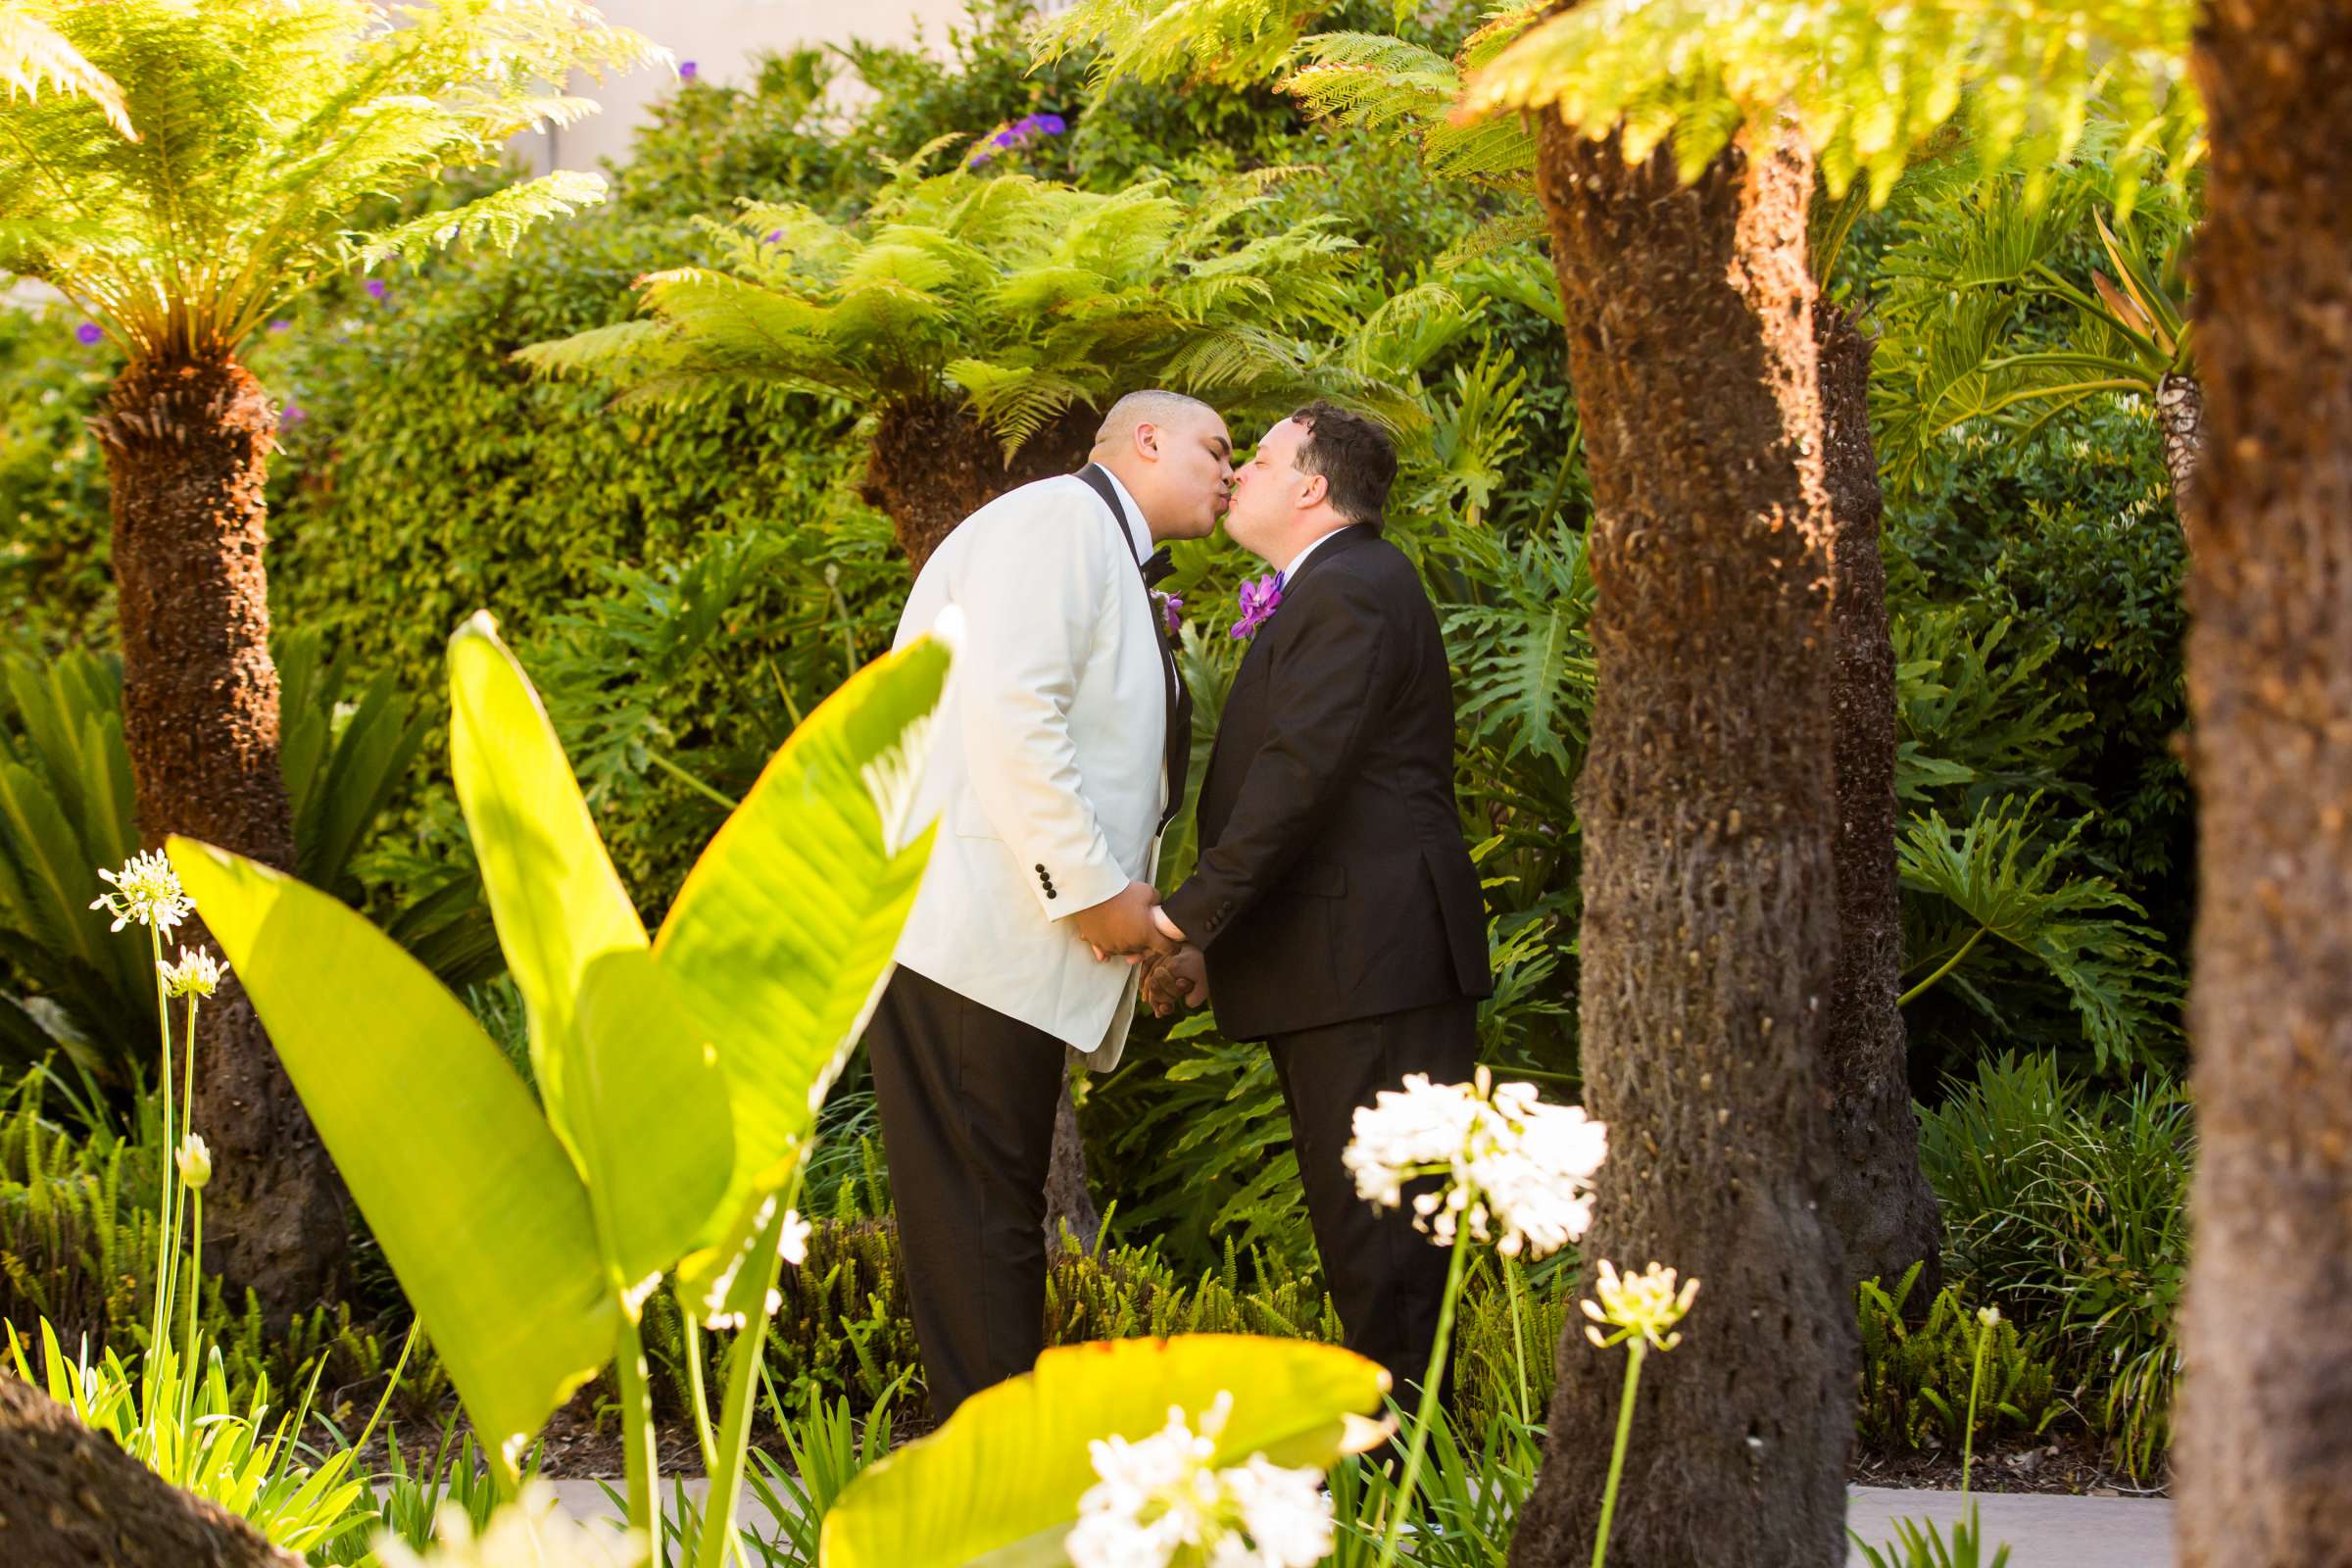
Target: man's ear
1146, 440
1313, 492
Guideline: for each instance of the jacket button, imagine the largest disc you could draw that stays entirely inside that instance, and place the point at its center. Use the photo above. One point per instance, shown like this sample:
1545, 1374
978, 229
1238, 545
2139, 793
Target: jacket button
1051, 894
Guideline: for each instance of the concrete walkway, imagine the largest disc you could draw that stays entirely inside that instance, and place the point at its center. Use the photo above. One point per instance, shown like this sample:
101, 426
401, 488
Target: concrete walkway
2041, 1530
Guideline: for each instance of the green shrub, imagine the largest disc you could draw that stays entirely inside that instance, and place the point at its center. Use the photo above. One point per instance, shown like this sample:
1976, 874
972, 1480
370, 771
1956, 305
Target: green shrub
2074, 1203
1916, 1381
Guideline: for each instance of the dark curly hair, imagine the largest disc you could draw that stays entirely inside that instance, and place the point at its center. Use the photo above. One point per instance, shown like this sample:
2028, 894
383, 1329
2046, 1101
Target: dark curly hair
1354, 454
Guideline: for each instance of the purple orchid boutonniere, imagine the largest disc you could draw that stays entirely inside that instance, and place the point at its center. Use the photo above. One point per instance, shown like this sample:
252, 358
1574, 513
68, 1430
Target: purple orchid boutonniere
1258, 600
1171, 609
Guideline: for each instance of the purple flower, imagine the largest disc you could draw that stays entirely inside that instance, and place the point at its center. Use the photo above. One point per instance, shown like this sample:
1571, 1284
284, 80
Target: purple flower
688, 71
1258, 600
773, 236
1048, 125
292, 414
280, 326
378, 288
1171, 609
90, 334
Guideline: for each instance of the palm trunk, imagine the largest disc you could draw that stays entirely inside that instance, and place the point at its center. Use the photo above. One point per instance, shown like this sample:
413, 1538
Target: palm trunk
2264, 1463
185, 444
73, 1498
931, 466
1879, 1198
1709, 939
2181, 412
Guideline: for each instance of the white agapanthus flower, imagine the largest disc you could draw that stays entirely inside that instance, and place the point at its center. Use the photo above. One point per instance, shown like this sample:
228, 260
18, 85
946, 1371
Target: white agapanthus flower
531, 1532
1160, 1504
195, 1161
146, 889
1518, 1172
1644, 1306
196, 974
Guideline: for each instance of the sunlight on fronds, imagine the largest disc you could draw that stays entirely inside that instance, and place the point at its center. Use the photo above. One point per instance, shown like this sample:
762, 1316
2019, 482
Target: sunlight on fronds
1012, 297
1375, 81
264, 131
1866, 83
1236, 42
34, 55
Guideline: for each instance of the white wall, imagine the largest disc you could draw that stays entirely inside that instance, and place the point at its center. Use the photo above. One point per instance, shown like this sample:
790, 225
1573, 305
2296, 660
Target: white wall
721, 37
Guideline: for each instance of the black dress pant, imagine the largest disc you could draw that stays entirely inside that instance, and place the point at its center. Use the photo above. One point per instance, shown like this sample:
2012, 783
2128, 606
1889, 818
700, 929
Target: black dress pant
968, 1098
1386, 1278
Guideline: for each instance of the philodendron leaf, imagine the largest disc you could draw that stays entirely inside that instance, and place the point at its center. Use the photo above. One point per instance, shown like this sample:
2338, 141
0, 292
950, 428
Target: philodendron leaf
557, 901
1006, 1473
479, 1209
782, 934
648, 1118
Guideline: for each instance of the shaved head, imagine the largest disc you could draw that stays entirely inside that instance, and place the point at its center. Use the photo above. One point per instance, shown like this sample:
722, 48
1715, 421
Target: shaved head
1174, 455
1151, 407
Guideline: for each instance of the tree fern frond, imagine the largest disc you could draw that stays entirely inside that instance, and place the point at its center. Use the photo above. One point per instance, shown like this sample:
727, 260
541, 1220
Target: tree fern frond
1495, 234
1866, 83
497, 220
1236, 42
262, 131
34, 55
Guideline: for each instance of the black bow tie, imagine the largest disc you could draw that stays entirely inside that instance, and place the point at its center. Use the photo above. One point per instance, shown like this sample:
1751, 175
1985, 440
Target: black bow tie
1158, 566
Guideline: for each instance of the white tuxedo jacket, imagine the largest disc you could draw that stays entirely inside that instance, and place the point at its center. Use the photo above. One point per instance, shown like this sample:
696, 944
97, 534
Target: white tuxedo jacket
1048, 761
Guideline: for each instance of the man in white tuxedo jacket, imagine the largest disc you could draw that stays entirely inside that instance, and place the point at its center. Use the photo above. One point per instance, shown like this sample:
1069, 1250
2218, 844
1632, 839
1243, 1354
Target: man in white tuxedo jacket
1056, 761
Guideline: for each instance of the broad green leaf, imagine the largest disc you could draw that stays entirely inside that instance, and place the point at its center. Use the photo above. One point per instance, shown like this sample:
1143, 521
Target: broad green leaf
649, 1112
1006, 1473
479, 1211
783, 932
553, 894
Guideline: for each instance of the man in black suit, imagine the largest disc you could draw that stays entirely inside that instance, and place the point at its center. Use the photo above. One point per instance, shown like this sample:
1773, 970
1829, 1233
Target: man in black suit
1335, 914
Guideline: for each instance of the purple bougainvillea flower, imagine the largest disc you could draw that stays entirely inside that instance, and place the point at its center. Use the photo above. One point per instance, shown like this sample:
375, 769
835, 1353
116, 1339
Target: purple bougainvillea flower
280, 326
1049, 125
1171, 609
688, 71
1258, 600
292, 414
90, 334
773, 236
378, 288
979, 158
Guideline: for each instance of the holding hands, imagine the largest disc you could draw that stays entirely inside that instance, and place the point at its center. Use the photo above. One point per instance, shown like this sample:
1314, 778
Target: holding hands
1176, 979
1122, 924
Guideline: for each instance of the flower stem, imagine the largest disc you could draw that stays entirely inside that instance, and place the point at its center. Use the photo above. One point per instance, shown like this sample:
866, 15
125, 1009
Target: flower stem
1510, 1280
166, 1243
735, 1417
187, 1357
639, 1458
1428, 1408
1968, 1438
1635, 1348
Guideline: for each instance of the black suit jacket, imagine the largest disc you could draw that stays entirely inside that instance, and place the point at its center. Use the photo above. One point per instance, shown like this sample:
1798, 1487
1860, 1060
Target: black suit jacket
1333, 881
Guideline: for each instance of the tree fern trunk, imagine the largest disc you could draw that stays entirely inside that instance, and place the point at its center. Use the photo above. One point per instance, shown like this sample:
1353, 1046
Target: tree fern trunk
72, 1498
1709, 939
1879, 1198
185, 446
931, 466
2265, 1453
